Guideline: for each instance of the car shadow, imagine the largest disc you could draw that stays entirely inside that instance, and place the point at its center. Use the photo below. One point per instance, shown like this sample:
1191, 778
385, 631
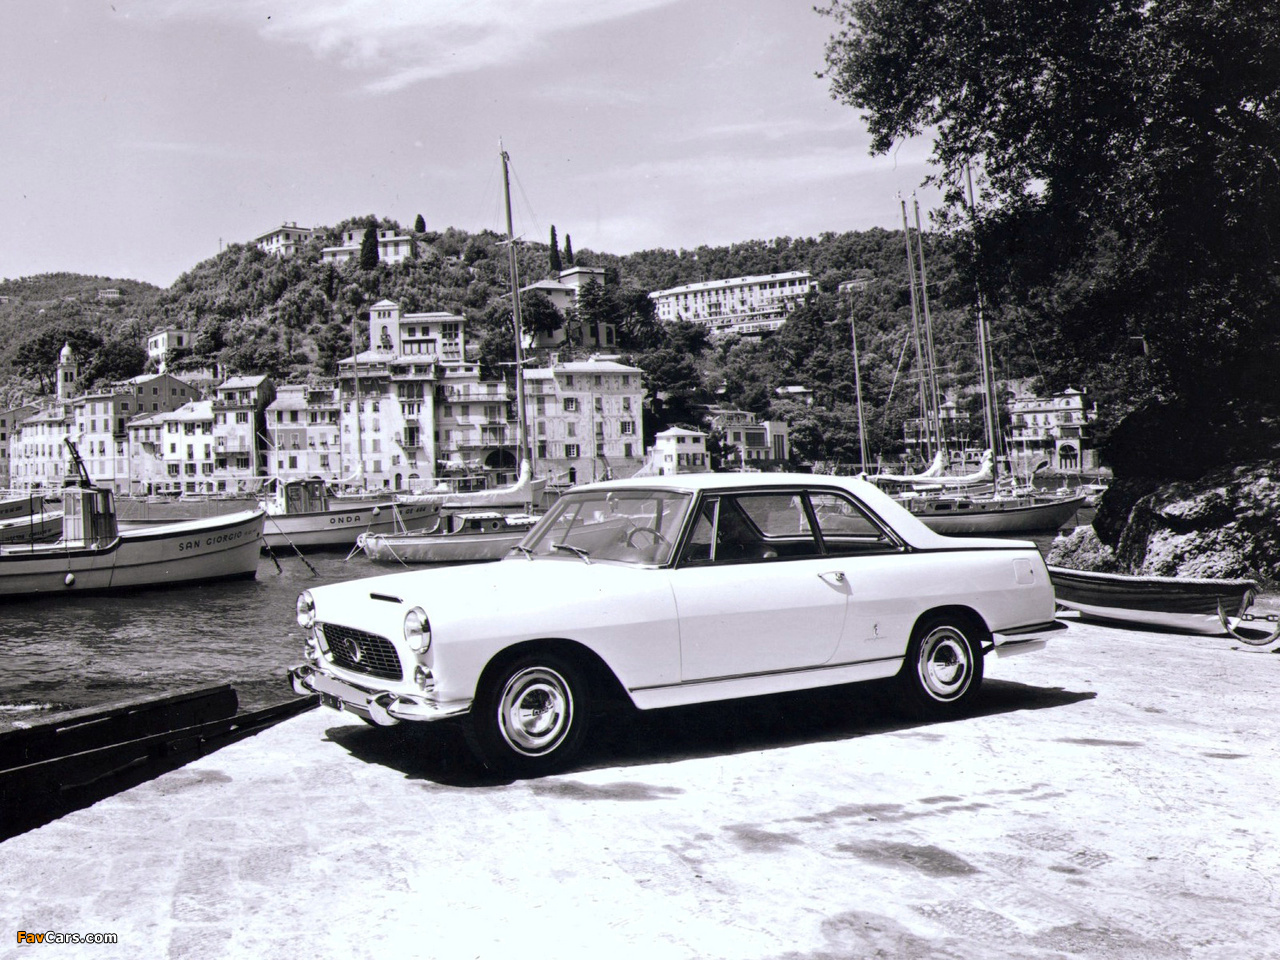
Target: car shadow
626, 737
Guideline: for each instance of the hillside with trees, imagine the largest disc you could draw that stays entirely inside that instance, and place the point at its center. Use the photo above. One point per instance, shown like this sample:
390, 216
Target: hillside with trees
295, 317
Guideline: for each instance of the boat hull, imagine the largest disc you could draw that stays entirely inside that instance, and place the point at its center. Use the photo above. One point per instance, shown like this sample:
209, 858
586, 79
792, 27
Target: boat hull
445, 548
1189, 605
996, 517
36, 528
340, 525
163, 555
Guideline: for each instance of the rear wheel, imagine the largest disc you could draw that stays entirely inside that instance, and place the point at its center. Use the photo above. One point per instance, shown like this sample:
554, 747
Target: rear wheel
530, 715
943, 668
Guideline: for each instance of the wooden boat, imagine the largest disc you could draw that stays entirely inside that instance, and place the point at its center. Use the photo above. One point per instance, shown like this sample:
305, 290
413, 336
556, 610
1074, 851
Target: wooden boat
93, 555
458, 538
1189, 604
993, 515
34, 528
305, 515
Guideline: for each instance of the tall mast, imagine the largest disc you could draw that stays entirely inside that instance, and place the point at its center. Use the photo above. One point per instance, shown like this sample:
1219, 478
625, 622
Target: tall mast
355, 369
523, 452
984, 348
928, 331
857, 389
925, 418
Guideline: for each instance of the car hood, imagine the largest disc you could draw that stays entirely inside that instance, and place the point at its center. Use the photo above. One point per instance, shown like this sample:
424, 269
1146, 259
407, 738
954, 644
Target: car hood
472, 594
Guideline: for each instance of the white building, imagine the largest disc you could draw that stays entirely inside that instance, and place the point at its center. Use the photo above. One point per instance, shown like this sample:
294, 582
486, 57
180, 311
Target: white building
9, 420
392, 247
564, 292
751, 442
739, 305
302, 424
1055, 429
677, 450
284, 240
162, 341
239, 432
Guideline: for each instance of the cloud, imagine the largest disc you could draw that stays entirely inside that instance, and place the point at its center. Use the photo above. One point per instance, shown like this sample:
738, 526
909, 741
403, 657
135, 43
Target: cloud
403, 42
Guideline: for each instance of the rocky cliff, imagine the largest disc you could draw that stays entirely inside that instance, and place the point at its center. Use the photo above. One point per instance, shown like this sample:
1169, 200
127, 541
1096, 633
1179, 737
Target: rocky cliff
1226, 524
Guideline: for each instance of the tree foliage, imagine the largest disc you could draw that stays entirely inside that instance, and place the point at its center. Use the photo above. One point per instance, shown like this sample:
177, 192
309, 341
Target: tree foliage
369, 249
555, 264
1127, 156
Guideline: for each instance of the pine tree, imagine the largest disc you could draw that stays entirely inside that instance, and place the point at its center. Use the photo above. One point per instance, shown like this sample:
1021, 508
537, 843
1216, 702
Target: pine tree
419, 225
556, 264
568, 250
369, 249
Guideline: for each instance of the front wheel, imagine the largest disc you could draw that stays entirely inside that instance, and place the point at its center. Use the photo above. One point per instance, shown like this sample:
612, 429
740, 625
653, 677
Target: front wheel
943, 668
530, 716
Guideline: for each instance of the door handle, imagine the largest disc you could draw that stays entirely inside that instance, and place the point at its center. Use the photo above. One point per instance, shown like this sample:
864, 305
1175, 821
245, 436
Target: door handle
834, 576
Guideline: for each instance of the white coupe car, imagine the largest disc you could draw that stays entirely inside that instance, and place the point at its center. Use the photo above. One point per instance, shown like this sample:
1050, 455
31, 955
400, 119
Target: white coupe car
663, 591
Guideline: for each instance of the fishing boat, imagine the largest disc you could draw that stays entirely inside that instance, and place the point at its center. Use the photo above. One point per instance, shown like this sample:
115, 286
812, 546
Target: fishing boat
459, 537
1202, 605
304, 514
94, 556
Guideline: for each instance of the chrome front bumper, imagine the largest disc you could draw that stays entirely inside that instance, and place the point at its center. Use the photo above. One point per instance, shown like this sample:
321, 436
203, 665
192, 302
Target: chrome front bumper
381, 706
1010, 643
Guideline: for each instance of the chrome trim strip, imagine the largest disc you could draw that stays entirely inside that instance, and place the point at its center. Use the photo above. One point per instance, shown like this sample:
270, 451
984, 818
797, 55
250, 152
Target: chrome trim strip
764, 673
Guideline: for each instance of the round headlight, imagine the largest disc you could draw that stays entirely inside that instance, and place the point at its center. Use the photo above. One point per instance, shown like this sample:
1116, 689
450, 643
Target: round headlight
306, 610
417, 631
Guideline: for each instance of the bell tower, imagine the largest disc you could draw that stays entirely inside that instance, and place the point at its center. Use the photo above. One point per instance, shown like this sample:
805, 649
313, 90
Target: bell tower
68, 372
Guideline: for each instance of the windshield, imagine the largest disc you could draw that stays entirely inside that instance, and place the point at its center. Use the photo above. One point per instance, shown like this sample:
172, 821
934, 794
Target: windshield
632, 526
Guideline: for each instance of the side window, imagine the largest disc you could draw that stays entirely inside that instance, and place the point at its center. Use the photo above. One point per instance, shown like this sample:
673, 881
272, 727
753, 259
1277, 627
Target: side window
846, 528
764, 526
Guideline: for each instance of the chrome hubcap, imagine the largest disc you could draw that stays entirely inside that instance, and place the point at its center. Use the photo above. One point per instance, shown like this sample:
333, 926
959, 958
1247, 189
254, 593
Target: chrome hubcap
535, 711
944, 666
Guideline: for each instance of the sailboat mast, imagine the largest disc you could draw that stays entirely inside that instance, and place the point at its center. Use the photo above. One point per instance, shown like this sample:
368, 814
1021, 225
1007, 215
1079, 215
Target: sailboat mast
928, 332
355, 370
925, 419
523, 452
984, 349
857, 390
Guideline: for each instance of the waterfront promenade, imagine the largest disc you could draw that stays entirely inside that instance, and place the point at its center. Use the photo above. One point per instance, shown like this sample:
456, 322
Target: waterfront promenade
1114, 798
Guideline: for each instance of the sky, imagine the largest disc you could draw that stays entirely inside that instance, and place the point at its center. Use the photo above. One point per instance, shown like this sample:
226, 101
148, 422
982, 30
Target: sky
141, 136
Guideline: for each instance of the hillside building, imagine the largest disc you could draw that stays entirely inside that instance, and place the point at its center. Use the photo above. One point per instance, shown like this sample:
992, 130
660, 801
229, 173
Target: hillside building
162, 341
745, 306
678, 450
392, 247
751, 443
284, 240
564, 292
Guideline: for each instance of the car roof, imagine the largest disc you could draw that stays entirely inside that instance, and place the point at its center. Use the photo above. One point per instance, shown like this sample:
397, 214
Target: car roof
906, 524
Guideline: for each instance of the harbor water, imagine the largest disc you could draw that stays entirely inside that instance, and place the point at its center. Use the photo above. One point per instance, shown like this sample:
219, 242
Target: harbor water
68, 652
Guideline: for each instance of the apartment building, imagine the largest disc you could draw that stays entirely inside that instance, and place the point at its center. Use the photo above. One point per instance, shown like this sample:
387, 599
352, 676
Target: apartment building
9, 419
744, 306
239, 431
586, 419
302, 425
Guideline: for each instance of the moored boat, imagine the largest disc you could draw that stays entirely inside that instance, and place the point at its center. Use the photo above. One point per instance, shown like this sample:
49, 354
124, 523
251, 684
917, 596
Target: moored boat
93, 555
1203, 605
993, 515
38, 527
303, 514
465, 537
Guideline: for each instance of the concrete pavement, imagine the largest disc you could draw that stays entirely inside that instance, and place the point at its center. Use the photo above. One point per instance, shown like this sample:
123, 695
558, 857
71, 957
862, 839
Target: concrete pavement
1114, 798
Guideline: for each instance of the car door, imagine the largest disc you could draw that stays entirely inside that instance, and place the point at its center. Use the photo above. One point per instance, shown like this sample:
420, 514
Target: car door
753, 592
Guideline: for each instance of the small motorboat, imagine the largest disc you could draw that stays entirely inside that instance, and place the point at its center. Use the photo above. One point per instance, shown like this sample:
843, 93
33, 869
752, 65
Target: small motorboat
1202, 605
464, 537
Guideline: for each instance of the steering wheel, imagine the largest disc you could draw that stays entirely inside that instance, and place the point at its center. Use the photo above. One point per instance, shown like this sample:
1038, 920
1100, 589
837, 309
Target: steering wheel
656, 534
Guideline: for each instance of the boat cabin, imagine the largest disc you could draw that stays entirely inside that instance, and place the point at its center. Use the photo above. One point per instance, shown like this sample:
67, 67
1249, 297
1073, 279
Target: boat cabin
88, 517
303, 496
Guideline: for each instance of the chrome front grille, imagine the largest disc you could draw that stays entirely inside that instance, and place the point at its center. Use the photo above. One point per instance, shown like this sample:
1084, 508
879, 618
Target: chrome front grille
362, 652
